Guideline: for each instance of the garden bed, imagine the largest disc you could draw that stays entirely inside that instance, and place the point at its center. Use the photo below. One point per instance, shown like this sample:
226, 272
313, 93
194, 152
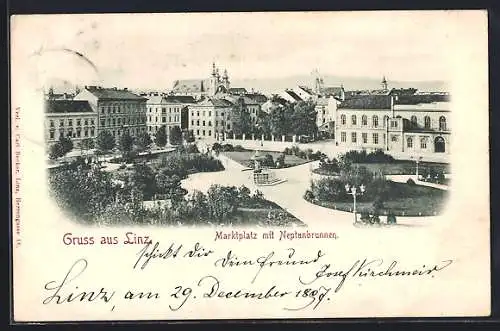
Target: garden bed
245, 158
404, 200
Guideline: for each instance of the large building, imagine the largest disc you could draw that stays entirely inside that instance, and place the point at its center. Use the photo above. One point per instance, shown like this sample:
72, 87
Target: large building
198, 88
69, 118
166, 110
379, 122
210, 118
118, 110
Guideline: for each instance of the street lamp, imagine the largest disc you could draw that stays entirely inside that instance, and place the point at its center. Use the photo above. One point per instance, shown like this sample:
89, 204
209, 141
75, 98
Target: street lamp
417, 160
353, 190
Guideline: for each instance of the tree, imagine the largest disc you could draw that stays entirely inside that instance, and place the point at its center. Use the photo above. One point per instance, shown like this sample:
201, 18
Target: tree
143, 178
66, 144
175, 135
105, 141
170, 186
87, 143
161, 137
143, 140
83, 193
55, 151
303, 119
126, 143
222, 201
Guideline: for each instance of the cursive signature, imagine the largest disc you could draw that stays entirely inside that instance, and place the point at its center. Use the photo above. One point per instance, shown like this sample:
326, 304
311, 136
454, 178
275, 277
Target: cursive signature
373, 268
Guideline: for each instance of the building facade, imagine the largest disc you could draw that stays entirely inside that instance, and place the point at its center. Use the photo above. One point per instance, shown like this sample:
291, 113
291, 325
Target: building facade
375, 122
210, 118
198, 88
69, 118
166, 111
118, 110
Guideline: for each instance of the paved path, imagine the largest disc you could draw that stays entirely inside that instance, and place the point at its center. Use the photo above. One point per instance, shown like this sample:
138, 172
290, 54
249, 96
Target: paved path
289, 195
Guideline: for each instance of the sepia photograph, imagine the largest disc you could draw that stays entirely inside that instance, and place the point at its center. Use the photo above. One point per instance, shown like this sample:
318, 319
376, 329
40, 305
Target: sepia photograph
234, 146
257, 165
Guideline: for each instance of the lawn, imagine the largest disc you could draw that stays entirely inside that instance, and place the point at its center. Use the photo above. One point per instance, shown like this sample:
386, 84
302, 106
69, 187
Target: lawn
403, 167
245, 158
395, 168
407, 200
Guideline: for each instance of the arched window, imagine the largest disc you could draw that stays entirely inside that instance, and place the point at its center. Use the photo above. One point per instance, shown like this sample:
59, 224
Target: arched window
353, 120
413, 121
342, 119
442, 123
423, 143
427, 122
364, 120
409, 142
386, 120
439, 145
375, 121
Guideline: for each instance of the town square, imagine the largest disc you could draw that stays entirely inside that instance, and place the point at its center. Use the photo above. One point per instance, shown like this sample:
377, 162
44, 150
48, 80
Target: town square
213, 142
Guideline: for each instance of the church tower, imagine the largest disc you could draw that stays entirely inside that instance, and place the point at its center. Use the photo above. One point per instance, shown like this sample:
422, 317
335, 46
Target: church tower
213, 80
384, 83
225, 79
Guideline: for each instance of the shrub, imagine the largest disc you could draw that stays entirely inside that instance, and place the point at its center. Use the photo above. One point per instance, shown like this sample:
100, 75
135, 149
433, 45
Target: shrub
294, 150
309, 152
410, 182
280, 161
227, 148
239, 148
216, 147
365, 217
309, 196
287, 151
268, 161
192, 148
391, 219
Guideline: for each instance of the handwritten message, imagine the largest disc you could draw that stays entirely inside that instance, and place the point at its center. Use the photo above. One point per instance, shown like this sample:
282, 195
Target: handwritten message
317, 276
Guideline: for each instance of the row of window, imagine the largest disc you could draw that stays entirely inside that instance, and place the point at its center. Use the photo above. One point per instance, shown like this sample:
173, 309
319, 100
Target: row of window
120, 109
364, 120
164, 110
364, 137
204, 132
375, 121
164, 119
423, 142
203, 123
70, 122
119, 121
209, 114
71, 134
427, 122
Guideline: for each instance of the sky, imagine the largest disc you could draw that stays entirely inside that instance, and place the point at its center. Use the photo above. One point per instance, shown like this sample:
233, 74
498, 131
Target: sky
153, 50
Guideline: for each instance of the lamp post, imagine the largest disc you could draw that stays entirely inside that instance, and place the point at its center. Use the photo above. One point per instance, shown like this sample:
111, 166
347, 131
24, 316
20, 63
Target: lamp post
417, 160
353, 190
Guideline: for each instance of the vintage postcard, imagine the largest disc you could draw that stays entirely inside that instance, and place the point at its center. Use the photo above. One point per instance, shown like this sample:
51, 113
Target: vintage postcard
275, 165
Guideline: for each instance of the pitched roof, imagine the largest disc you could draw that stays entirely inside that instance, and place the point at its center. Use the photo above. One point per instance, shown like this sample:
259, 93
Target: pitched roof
179, 99
215, 102
293, 95
190, 86
257, 97
331, 90
237, 90
420, 98
103, 93
68, 106
367, 102
155, 100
